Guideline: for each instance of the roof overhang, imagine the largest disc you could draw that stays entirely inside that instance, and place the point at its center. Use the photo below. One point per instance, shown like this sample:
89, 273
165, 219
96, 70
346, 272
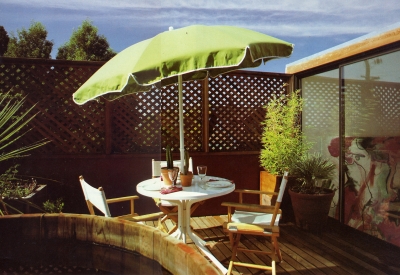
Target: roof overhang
353, 47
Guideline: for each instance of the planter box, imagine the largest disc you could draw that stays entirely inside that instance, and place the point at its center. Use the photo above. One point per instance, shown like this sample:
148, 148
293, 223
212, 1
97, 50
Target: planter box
37, 196
271, 183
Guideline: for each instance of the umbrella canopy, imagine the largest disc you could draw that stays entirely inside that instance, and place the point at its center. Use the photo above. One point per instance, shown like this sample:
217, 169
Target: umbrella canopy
190, 53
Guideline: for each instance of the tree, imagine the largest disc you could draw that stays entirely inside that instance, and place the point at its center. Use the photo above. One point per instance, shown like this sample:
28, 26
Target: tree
86, 44
4, 39
31, 43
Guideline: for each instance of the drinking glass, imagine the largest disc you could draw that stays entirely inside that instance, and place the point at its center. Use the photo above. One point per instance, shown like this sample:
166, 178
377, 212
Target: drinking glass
202, 171
173, 175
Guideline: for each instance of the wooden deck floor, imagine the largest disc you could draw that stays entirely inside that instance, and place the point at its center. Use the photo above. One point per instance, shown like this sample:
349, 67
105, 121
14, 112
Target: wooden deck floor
338, 250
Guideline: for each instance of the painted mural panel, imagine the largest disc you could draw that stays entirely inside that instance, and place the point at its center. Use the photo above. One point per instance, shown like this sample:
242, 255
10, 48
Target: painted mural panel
372, 185
372, 146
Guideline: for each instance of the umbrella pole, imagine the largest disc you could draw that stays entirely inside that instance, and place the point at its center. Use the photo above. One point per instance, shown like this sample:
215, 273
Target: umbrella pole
181, 135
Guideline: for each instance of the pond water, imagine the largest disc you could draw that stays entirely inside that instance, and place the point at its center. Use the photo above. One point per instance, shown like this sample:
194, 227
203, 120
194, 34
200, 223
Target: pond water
74, 257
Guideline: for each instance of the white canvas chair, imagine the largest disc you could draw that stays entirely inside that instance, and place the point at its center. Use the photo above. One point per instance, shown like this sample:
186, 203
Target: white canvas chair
258, 220
97, 198
167, 208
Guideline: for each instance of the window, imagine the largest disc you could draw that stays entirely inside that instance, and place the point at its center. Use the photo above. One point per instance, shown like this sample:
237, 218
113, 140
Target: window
370, 138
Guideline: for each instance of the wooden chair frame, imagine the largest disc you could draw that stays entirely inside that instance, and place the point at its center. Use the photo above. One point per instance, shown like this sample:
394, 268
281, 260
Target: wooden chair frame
235, 230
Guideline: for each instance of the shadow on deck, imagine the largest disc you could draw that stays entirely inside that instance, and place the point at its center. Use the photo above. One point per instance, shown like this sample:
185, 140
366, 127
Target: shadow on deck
338, 250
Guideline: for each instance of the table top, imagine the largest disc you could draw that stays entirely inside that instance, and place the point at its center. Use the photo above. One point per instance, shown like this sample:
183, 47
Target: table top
198, 191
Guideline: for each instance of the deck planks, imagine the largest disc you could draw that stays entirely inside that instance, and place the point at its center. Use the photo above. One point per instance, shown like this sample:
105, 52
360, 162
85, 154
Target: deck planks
338, 250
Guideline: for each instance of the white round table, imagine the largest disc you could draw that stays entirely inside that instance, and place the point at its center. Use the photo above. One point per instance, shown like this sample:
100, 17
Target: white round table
184, 200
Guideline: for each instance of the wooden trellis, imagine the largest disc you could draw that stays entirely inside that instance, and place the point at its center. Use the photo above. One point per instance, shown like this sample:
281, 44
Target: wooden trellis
143, 122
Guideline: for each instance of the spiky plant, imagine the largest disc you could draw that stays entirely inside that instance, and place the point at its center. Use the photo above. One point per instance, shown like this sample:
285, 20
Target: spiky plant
186, 163
168, 157
13, 122
311, 167
13, 125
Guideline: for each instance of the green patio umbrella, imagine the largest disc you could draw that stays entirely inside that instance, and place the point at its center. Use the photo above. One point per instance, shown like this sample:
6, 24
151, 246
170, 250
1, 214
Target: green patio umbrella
177, 55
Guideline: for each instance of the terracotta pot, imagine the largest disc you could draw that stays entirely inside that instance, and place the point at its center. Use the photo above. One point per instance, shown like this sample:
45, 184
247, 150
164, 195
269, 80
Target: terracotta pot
186, 180
311, 210
165, 174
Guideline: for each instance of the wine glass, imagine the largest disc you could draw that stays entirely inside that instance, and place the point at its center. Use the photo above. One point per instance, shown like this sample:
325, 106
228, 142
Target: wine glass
201, 171
173, 175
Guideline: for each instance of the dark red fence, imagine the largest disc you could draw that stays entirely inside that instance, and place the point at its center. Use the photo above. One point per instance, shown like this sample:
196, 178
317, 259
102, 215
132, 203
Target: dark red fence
112, 143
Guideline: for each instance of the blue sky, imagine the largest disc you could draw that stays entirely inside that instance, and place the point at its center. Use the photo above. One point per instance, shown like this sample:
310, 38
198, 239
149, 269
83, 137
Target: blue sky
311, 25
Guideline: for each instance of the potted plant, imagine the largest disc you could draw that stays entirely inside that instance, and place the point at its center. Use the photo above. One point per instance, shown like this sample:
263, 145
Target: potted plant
282, 139
282, 144
15, 189
169, 173
53, 206
311, 197
13, 125
186, 175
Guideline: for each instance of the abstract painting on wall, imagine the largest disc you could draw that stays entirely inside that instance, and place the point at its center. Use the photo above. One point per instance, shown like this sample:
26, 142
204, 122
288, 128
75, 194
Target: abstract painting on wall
372, 185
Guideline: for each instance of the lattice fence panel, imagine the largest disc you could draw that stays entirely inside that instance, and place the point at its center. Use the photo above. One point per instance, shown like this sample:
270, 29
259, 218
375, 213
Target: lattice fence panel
192, 113
141, 123
237, 109
321, 108
147, 122
389, 107
136, 123
170, 117
372, 108
72, 129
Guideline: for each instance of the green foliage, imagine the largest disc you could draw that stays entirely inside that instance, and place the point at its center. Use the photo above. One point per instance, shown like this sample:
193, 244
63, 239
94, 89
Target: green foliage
13, 121
86, 44
186, 163
11, 186
310, 168
4, 39
168, 157
31, 43
15, 188
53, 206
282, 138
